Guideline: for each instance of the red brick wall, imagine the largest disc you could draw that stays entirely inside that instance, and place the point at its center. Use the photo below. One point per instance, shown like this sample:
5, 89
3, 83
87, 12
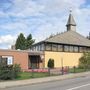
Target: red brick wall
20, 57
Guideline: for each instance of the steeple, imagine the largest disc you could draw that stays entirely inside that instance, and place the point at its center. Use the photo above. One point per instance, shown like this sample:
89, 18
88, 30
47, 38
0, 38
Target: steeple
71, 25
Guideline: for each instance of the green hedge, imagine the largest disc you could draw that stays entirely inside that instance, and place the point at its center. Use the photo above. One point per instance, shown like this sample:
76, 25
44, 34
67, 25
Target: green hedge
9, 72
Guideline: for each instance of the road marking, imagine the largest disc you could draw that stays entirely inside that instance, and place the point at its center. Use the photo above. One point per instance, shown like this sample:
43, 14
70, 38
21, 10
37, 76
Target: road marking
79, 87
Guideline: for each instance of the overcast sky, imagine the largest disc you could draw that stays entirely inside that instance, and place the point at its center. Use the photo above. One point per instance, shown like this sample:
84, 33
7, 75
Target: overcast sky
41, 18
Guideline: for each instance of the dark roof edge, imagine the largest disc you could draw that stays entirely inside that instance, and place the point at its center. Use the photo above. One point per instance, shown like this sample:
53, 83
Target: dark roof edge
59, 43
38, 43
67, 44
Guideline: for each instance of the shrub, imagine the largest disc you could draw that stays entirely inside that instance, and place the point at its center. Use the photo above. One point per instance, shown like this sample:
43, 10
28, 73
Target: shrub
51, 63
16, 69
84, 61
8, 72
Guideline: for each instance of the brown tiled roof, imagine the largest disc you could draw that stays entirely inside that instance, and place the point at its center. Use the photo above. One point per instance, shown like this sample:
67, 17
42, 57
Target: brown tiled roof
69, 37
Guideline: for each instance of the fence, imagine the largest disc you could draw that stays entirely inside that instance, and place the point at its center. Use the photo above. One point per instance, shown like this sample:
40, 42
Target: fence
36, 70
58, 71
50, 71
35, 73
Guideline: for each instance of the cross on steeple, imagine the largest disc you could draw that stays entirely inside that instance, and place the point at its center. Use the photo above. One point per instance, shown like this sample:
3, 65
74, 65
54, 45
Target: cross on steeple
70, 11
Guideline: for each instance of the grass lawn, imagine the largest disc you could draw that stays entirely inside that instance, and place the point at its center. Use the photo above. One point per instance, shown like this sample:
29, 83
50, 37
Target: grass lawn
28, 75
76, 70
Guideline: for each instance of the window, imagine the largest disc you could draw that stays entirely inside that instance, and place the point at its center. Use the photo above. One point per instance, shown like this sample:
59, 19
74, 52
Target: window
39, 46
60, 47
76, 49
36, 48
48, 46
42, 47
3, 60
80, 49
71, 49
33, 48
66, 48
54, 47
88, 49
7, 60
84, 49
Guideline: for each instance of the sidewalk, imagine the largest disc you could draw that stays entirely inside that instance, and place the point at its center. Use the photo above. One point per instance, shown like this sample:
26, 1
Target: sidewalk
40, 80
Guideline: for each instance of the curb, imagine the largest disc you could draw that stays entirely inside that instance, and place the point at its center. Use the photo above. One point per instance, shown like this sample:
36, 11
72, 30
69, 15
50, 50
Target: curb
40, 80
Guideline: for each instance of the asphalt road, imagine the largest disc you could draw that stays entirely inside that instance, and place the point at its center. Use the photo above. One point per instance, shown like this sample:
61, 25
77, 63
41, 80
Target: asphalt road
81, 83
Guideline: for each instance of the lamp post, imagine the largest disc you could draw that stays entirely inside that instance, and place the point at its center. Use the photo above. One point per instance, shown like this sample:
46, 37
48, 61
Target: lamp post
62, 65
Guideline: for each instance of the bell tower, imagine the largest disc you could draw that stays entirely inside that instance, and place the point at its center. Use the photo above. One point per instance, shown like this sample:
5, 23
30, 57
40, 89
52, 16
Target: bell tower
71, 25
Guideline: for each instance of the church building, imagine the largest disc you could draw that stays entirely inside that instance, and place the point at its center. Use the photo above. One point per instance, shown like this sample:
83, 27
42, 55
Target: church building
65, 48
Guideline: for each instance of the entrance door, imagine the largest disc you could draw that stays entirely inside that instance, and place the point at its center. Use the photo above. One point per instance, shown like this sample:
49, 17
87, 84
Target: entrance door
34, 61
